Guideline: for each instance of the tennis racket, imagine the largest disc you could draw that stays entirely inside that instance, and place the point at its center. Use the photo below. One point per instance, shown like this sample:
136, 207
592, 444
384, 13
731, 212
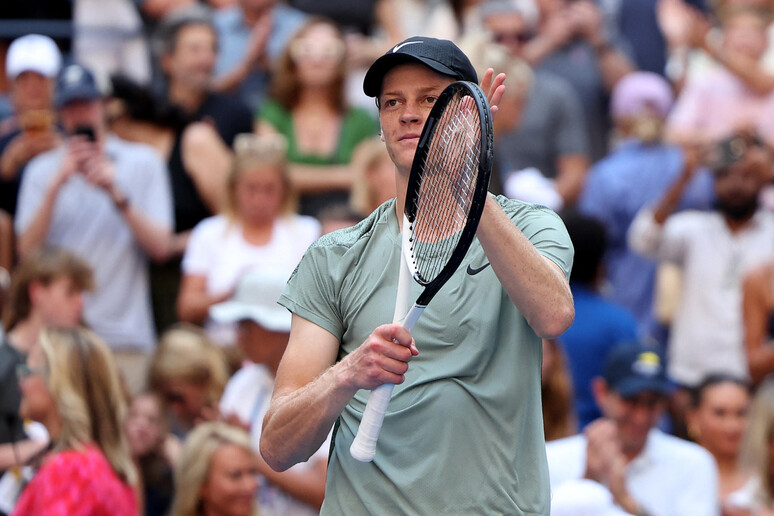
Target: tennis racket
446, 192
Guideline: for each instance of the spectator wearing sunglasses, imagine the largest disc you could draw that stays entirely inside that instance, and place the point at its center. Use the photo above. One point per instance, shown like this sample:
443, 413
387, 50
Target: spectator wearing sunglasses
307, 106
550, 134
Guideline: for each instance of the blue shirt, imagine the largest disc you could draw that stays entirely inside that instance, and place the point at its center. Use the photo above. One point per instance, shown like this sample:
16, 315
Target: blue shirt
233, 40
599, 325
633, 176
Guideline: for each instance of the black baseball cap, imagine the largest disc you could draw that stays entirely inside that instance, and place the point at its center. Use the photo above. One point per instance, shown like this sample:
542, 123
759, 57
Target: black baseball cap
634, 368
441, 55
76, 82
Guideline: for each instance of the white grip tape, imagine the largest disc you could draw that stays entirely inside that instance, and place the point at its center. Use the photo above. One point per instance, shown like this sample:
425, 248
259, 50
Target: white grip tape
364, 446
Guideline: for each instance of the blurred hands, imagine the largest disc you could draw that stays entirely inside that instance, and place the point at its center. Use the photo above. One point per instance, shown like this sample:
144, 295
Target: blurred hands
23, 148
587, 22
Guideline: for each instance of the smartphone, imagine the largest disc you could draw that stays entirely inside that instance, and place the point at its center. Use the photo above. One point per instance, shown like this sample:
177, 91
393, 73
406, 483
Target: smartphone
87, 131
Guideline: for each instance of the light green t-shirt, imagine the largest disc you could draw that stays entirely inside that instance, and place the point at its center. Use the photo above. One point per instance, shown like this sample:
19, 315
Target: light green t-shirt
464, 433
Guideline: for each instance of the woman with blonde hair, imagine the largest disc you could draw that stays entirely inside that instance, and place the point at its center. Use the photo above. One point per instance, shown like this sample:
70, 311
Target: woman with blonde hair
70, 385
307, 106
258, 229
216, 473
189, 372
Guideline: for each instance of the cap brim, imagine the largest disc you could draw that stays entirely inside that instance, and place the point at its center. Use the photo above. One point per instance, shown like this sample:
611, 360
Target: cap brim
233, 311
634, 386
372, 83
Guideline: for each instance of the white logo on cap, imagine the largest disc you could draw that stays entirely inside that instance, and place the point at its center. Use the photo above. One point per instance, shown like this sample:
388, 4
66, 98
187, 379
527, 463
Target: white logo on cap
73, 74
398, 47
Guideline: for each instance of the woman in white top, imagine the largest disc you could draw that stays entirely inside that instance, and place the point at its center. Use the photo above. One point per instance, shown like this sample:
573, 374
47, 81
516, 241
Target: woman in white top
259, 229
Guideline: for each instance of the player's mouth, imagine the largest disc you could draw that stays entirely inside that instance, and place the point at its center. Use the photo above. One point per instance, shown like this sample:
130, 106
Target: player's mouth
411, 137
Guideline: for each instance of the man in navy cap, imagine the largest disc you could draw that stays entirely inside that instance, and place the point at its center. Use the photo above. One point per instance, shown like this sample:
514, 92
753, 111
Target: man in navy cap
108, 201
463, 432
646, 471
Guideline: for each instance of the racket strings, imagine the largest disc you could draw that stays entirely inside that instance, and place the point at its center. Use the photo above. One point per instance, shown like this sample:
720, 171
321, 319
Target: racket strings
447, 188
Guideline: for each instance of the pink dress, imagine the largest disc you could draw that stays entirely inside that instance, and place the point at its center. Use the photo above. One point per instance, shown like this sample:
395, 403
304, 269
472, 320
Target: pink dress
77, 483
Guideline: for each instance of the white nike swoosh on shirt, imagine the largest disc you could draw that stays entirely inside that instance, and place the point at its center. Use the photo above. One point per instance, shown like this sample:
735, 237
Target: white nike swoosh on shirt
398, 47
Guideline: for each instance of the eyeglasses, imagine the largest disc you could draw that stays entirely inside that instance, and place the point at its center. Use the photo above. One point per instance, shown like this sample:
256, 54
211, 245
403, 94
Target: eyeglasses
512, 37
23, 371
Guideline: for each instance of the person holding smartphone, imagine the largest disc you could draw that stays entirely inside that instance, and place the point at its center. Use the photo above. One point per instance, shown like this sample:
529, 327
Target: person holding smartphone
108, 201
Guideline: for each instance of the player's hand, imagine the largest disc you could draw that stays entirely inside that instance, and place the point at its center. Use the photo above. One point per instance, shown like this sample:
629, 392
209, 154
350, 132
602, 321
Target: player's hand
382, 358
494, 88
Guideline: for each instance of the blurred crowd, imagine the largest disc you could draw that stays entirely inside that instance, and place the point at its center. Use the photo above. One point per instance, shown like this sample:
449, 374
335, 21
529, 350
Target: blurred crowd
165, 164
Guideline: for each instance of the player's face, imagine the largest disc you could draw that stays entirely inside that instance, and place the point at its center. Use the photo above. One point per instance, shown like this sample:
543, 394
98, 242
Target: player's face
408, 93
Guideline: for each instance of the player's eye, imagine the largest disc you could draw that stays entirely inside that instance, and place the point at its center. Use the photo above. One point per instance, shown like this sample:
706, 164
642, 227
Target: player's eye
391, 103
431, 100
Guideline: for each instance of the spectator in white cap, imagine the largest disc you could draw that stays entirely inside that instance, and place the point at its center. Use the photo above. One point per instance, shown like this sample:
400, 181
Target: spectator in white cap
263, 332
31, 66
637, 173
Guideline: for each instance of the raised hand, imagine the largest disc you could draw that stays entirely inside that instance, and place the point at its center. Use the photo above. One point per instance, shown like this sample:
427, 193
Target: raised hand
494, 87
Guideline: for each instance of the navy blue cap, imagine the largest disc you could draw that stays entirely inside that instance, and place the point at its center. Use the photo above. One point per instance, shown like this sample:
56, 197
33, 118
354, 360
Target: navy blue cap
441, 55
76, 83
635, 368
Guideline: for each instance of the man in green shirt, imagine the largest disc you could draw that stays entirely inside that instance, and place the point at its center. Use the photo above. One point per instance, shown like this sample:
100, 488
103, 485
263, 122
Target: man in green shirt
463, 432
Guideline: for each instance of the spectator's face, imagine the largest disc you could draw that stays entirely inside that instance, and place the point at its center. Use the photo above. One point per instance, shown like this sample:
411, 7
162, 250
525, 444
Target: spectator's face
144, 425
317, 56
509, 30
82, 113
231, 484
408, 93
193, 59
745, 34
259, 345
719, 422
60, 303
634, 417
37, 403
259, 193
31, 90
186, 399
738, 187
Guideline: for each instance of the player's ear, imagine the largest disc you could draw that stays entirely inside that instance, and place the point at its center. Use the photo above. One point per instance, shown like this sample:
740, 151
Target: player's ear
381, 134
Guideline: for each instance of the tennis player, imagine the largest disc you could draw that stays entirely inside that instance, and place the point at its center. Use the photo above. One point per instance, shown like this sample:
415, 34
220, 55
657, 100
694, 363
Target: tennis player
463, 433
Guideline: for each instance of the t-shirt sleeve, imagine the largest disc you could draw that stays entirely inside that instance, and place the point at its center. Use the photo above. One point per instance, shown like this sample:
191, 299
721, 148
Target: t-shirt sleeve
312, 292
544, 229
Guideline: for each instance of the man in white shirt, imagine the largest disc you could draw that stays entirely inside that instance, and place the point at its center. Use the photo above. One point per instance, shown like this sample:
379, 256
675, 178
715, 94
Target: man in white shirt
646, 471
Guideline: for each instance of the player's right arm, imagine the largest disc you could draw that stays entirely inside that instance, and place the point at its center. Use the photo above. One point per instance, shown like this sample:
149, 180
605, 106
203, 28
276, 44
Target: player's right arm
311, 388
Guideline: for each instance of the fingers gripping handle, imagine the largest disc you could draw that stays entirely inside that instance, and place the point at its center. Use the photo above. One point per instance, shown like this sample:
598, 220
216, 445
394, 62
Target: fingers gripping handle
364, 446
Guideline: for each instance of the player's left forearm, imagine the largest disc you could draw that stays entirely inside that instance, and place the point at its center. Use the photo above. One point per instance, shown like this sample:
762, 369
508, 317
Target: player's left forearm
534, 283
